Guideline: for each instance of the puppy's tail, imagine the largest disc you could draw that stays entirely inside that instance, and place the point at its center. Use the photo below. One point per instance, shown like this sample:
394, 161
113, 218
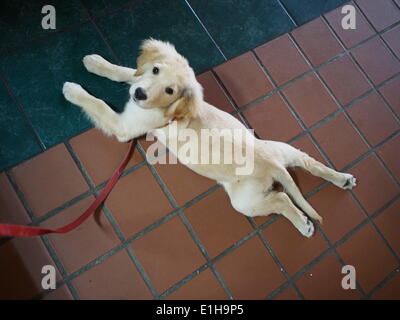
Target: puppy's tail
293, 191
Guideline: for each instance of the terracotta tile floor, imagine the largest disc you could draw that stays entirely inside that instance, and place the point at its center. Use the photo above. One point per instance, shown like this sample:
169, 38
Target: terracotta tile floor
168, 233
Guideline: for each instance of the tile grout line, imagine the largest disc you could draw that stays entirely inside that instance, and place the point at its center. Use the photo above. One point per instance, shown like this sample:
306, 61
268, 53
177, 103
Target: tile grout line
185, 222
396, 4
250, 220
365, 141
313, 138
111, 220
68, 28
145, 277
21, 111
370, 147
205, 29
277, 261
341, 241
362, 291
350, 54
263, 97
229, 249
314, 141
44, 239
100, 33
303, 127
316, 68
239, 112
20, 48
380, 285
386, 45
285, 9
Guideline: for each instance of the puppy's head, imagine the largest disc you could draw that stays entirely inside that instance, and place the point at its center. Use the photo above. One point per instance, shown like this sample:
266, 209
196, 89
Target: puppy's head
164, 79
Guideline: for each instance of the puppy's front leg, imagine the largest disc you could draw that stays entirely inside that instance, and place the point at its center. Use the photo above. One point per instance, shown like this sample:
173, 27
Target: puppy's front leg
100, 66
98, 111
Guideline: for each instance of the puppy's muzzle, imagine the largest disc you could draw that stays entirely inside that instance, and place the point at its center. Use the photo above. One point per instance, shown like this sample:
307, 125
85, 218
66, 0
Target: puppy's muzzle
140, 94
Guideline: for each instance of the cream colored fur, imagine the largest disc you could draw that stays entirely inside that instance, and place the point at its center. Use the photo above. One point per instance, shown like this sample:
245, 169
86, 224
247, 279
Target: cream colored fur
251, 195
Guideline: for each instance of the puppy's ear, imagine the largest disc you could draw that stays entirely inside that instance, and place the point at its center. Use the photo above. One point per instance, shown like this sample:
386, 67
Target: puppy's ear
151, 51
188, 105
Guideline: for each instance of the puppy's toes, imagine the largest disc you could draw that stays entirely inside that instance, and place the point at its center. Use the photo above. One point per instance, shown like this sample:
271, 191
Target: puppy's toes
93, 62
308, 229
350, 182
72, 91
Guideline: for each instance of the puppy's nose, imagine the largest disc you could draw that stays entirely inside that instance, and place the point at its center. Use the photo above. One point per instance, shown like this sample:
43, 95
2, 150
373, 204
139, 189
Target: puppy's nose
140, 94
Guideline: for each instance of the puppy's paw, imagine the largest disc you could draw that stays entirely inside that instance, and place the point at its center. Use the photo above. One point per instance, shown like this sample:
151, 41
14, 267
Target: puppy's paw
349, 181
73, 92
307, 229
93, 63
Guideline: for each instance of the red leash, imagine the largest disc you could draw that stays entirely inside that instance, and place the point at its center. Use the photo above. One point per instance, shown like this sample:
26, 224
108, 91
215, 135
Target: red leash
12, 230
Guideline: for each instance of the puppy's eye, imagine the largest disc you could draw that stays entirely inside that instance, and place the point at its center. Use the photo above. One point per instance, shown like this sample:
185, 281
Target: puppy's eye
169, 90
156, 70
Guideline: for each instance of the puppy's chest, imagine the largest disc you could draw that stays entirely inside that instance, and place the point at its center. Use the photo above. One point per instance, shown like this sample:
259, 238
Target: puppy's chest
147, 118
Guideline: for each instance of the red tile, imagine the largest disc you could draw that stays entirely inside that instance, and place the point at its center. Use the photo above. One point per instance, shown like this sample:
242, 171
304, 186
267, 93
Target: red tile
287, 294
350, 37
305, 180
391, 92
115, 278
310, 99
390, 291
62, 293
213, 93
388, 224
382, 13
259, 220
340, 141
202, 287
168, 254
101, 155
377, 61
374, 186
317, 41
389, 152
21, 272
392, 37
323, 282
373, 118
249, 271
49, 180
271, 119
137, 201
209, 217
369, 256
244, 78
11, 209
282, 59
345, 80
84, 244
340, 212
188, 186
293, 249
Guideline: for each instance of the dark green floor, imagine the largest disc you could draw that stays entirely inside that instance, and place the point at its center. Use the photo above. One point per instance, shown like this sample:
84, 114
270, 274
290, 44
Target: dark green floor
34, 63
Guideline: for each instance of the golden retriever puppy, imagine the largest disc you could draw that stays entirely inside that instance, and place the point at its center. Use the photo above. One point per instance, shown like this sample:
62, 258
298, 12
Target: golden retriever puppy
167, 100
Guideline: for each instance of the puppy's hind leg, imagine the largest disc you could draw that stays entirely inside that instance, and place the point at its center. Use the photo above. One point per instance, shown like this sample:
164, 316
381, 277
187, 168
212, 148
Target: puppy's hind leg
293, 157
291, 188
252, 198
